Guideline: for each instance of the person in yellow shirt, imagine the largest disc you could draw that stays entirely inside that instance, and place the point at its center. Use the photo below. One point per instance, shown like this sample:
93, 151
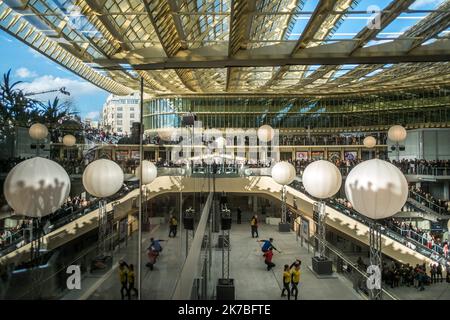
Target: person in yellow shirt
131, 281
173, 224
295, 278
286, 281
123, 277
254, 226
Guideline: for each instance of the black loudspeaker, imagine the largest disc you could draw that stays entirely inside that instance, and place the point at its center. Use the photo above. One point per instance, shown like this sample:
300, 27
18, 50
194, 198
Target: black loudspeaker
188, 223
225, 289
402, 148
226, 223
189, 119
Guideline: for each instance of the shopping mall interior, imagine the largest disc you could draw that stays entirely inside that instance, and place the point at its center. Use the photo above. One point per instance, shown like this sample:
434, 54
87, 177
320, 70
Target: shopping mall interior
249, 150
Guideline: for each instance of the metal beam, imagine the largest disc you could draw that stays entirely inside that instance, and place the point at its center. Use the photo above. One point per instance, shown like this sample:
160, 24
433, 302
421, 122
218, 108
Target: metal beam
240, 28
392, 11
310, 35
429, 27
163, 22
174, 63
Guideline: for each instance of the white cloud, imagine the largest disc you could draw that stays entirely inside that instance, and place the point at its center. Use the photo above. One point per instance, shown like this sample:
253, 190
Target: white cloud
7, 39
49, 82
25, 73
94, 115
422, 3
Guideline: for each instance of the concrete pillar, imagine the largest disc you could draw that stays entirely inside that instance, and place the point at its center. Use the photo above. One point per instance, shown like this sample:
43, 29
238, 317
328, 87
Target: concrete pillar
420, 138
446, 190
255, 204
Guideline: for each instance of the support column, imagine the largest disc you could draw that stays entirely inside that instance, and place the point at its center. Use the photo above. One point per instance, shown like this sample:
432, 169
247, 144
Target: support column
446, 190
374, 269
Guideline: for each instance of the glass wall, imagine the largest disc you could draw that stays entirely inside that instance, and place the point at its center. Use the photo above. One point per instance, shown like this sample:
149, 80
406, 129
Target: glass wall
244, 112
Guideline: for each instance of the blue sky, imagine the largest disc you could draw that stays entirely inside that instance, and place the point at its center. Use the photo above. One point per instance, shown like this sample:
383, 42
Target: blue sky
40, 73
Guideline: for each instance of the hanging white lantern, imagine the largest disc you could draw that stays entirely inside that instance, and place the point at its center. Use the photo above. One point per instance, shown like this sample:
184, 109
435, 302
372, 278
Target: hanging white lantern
376, 189
283, 173
38, 131
369, 142
69, 140
103, 178
266, 133
322, 179
397, 133
149, 172
36, 187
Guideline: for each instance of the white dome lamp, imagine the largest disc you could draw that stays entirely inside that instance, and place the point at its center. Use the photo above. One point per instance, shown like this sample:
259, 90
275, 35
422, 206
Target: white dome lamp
102, 178
378, 190
69, 140
149, 172
369, 142
166, 133
36, 188
283, 173
397, 134
265, 133
38, 132
322, 180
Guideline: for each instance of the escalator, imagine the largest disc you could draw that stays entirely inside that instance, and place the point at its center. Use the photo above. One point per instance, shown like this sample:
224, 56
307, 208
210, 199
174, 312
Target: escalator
400, 245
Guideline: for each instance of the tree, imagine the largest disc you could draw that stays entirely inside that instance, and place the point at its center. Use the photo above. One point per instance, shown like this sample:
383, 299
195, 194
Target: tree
55, 112
15, 108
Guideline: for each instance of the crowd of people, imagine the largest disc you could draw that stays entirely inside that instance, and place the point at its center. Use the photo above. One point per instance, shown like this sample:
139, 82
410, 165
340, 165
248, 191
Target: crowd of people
422, 166
395, 274
324, 140
101, 136
432, 240
426, 199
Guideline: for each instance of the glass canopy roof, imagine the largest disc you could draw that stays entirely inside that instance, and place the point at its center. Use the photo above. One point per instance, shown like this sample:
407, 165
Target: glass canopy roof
300, 47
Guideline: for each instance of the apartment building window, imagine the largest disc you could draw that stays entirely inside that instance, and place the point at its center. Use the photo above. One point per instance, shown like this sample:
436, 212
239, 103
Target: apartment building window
119, 109
131, 115
119, 116
119, 122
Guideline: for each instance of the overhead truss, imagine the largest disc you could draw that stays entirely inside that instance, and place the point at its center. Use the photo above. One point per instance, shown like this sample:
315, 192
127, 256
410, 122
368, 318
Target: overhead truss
237, 46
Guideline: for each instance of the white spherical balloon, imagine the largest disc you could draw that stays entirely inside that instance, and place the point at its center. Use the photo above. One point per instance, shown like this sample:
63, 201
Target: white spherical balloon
103, 178
397, 133
322, 179
38, 131
376, 189
69, 140
36, 187
369, 142
283, 173
266, 133
149, 172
